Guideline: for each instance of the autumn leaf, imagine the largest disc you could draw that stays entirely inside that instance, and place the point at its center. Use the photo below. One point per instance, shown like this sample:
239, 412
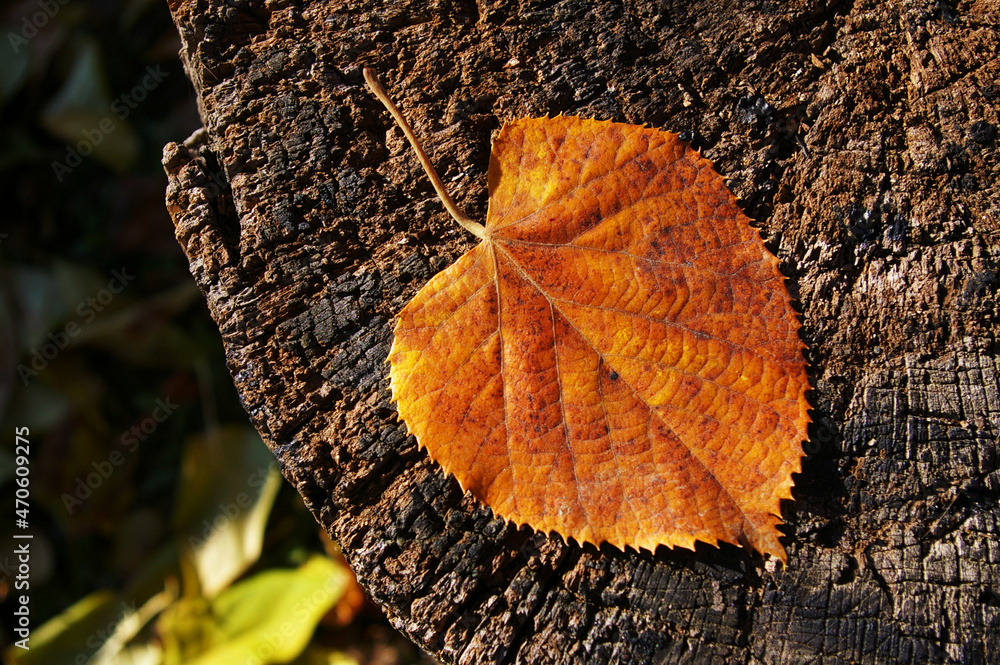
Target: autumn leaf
617, 360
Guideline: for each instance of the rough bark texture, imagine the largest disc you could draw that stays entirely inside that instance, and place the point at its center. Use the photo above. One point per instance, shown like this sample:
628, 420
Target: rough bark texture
861, 136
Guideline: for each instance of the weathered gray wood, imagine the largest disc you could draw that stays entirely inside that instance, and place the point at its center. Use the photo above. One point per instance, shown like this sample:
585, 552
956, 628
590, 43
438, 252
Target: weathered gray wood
861, 137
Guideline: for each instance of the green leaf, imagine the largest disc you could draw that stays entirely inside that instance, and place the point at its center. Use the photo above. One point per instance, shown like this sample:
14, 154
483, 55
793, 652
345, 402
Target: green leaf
228, 483
316, 655
97, 630
268, 618
77, 632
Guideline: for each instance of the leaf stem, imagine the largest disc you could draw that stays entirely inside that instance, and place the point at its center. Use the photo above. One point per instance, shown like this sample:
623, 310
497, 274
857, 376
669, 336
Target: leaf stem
467, 223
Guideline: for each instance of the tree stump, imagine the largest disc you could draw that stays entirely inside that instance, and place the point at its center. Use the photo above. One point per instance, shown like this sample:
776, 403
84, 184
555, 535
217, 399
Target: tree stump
861, 137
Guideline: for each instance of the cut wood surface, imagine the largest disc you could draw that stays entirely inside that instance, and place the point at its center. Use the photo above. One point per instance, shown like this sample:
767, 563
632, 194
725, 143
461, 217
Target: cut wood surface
861, 138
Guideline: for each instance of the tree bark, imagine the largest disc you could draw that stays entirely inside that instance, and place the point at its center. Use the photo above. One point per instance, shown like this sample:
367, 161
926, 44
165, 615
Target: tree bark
860, 136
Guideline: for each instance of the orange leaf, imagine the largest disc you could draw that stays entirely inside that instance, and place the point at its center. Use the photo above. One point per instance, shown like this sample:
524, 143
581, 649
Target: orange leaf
617, 361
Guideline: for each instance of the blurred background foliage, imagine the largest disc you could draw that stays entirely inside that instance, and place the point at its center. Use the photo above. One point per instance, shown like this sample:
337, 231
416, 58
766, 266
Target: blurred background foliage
161, 529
